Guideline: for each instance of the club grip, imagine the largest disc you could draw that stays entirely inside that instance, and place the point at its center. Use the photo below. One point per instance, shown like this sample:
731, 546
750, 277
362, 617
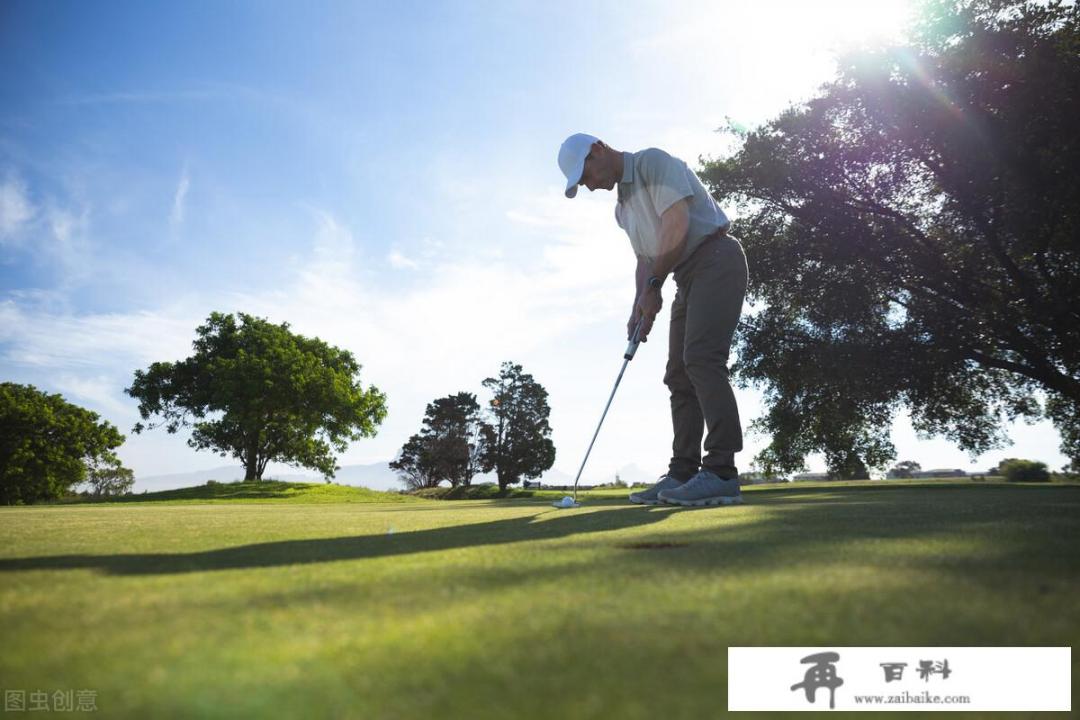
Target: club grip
632, 347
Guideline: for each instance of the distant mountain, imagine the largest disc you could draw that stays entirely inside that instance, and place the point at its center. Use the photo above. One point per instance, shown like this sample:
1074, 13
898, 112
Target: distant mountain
632, 474
375, 476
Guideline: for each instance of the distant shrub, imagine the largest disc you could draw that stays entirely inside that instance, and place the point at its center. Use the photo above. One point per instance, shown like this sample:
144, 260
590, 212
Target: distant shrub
1025, 471
210, 483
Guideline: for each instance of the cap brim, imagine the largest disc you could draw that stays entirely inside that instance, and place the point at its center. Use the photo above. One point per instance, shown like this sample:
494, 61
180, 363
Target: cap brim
572, 185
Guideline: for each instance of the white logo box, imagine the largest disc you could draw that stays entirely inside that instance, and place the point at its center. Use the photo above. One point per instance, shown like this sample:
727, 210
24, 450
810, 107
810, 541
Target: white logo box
963, 679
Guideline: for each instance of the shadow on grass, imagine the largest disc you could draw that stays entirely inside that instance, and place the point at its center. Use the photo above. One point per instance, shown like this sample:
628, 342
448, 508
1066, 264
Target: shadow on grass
289, 552
792, 524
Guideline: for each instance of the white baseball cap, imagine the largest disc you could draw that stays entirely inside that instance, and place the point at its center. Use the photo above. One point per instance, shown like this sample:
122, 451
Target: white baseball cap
572, 156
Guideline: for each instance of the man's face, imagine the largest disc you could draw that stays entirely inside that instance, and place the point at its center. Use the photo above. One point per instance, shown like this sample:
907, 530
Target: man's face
596, 173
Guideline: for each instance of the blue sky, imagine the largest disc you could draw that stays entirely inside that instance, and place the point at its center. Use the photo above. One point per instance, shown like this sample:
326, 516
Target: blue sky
382, 176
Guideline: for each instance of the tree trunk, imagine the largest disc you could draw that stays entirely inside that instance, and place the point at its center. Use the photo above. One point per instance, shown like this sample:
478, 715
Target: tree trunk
251, 463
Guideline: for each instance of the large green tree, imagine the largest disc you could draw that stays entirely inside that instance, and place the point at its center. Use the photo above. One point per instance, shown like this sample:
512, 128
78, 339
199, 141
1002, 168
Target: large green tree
522, 447
279, 396
913, 235
48, 446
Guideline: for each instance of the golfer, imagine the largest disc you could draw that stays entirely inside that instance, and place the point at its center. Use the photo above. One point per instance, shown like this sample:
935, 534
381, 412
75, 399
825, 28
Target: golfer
676, 227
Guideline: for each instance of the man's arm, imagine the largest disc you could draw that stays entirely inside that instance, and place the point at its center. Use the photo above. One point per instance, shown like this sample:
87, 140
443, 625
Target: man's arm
673, 226
642, 275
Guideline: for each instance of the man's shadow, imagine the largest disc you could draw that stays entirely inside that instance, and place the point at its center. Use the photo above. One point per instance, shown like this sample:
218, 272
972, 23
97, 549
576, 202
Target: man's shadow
546, 524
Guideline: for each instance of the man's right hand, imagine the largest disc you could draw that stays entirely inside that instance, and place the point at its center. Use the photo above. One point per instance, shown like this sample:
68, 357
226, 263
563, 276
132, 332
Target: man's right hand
636, 317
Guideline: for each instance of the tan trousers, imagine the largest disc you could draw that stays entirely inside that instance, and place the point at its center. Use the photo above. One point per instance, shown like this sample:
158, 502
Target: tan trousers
711, 285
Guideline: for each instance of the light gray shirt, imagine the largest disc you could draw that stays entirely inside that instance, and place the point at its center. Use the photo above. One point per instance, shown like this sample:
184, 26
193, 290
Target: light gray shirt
652, 182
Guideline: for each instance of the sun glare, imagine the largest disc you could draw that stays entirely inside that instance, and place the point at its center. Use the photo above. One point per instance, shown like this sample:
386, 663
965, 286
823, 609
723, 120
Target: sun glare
854, 22
782, 49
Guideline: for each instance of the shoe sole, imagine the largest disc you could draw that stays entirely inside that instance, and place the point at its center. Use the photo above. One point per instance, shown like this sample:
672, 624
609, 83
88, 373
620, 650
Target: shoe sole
703, 502
639, 501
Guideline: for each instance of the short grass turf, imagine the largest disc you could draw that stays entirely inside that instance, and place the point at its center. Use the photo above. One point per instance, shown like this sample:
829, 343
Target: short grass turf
510, 608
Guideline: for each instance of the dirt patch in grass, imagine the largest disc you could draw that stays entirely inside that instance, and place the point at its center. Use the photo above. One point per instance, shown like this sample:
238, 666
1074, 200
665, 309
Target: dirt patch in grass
652, 545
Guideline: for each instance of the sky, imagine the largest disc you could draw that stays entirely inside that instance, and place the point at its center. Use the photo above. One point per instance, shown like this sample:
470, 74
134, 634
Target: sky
382, 176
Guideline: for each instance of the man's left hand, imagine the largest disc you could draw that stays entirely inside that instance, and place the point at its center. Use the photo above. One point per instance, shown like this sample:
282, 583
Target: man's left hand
649, 303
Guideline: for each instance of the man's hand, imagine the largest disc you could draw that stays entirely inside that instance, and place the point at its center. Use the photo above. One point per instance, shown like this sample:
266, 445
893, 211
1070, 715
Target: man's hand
647, 306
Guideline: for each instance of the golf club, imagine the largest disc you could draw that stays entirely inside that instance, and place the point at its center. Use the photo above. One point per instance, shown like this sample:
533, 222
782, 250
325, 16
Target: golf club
568, 501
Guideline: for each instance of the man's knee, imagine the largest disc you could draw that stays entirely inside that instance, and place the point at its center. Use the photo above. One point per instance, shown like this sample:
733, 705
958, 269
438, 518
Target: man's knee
706, 361
675, 376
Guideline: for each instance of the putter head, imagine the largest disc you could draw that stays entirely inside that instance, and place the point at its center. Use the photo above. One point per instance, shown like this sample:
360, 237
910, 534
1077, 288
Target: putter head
566, 502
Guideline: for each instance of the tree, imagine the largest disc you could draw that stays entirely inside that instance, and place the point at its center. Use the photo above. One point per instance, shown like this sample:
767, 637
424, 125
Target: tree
914, 240
1015, 470
453, 444
905, 469
48, 445
416, 464
999, 468
522, 446
852, 468
109, 478
282, 396
465, 438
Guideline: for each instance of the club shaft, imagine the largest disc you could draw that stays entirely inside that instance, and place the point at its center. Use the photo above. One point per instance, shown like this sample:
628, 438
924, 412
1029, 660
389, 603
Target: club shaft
617, 381
628, 356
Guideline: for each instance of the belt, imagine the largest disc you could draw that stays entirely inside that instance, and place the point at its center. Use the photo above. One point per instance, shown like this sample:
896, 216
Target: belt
715, 235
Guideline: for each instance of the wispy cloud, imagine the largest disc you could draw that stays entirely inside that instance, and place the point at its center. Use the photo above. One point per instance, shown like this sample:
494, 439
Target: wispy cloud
98, 391
400, 262
68, 246
415, 343
44, 340
16, 209
176, 218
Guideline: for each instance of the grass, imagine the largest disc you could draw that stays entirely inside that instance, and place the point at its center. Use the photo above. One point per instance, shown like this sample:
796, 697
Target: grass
508, 608
272, 491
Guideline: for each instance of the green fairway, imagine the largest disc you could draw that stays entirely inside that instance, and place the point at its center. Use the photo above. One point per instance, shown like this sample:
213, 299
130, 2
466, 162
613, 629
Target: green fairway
509, 608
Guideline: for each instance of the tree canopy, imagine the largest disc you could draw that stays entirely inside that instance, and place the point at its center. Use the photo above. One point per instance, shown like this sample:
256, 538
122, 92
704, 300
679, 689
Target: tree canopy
912, 234
522, 447
281, 396
458, 440
454, 444
48, 446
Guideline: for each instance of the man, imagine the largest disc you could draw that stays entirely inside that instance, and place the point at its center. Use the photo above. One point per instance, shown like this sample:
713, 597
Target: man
676, 227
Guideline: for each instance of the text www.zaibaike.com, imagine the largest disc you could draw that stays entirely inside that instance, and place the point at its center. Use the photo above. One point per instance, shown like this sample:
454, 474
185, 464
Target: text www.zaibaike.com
924, 698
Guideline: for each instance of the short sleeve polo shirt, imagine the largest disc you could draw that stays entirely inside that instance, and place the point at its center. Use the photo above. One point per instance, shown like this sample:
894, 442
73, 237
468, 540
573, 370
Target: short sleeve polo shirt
652, 182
